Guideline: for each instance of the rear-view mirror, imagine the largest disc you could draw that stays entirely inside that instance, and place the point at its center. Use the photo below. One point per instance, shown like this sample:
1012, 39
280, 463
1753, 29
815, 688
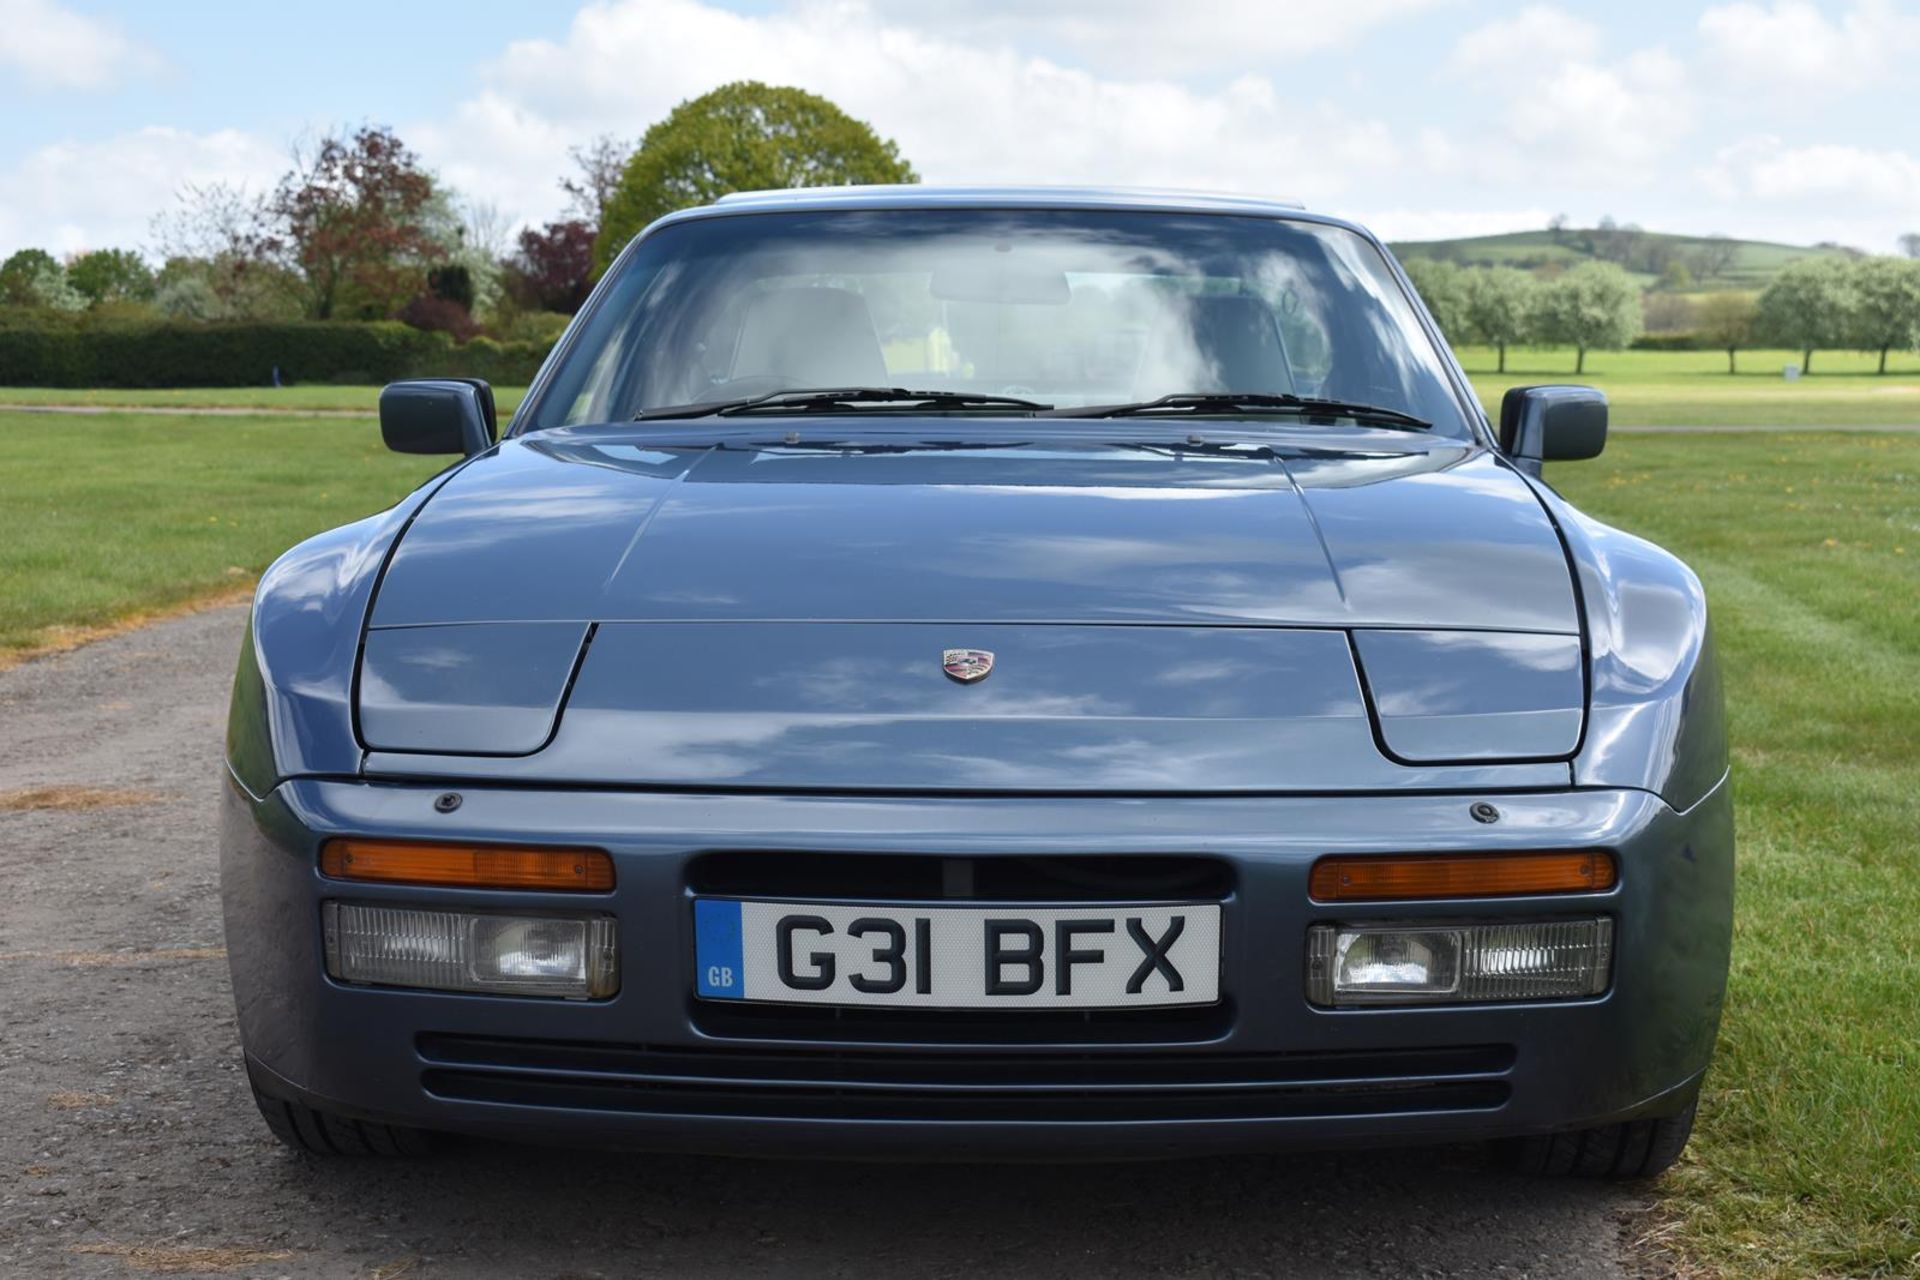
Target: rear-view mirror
1000, 282
1553, 423
438, 415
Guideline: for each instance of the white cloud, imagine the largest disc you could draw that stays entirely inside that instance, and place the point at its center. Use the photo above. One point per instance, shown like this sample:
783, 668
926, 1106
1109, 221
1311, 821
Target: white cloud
1794, 45
1606, 123
961, 112
1567, 113
1451, 224
1546, 108
1155, 37
1536, 35
1764, 169
49, 46
69, 197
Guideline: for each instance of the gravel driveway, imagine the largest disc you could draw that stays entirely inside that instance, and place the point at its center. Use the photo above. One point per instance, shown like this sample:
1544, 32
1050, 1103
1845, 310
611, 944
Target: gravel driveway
128, 1144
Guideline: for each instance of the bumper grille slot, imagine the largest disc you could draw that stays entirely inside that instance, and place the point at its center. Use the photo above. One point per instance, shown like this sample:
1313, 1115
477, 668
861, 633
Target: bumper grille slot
1192, 1024
882, 877
1033, 1087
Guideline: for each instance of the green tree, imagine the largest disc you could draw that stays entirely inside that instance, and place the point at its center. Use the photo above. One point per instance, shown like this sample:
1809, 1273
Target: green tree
1809, 305
1727, 321
1443, 287
1501, 303
1596, 304
224, 258
1887, 304
33, 278
111, 275
228, 287
470, 240
184, 291
19, 277
744, 136
601, 163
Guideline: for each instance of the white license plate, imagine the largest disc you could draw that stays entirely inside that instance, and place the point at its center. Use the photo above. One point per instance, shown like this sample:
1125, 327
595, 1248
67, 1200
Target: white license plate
934, 957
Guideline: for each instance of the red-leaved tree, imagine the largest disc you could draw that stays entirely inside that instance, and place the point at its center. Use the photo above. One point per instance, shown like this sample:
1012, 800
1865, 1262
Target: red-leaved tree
552, 269
353, 215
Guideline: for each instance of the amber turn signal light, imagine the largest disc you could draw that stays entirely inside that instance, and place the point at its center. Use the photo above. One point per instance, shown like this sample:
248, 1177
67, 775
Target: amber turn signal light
1372, 878
468, 867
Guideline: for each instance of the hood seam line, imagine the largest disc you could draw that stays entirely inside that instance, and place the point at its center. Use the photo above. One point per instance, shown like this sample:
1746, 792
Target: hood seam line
646, 521
1319, 535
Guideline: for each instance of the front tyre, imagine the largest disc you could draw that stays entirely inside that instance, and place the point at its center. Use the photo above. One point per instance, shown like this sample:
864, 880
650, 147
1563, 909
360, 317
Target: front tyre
319, 1133
1634, 1149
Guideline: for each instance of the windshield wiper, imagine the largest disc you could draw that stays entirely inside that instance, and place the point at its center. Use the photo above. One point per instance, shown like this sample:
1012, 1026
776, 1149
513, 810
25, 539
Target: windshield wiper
1253, 402
794, 444
834, 398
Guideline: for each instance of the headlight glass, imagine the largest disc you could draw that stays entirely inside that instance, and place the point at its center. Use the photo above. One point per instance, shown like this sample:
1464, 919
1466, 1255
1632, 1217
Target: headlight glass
1416, 963
572, 957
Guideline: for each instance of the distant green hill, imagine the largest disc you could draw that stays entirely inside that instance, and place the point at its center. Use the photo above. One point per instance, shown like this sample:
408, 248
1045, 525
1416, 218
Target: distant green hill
1683, 264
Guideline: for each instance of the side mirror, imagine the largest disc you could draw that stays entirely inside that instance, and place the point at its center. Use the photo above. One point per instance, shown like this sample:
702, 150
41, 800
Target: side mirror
1553, 424
438, 415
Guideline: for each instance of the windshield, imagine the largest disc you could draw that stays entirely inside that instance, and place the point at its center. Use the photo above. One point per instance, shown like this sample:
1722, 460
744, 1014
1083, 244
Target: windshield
1070, 308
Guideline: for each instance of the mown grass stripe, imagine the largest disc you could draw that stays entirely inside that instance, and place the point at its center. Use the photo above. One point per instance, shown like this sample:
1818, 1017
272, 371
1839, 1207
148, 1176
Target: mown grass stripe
1804, 1160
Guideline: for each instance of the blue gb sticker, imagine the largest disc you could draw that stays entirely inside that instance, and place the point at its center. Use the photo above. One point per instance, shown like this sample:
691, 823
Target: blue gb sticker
716, 950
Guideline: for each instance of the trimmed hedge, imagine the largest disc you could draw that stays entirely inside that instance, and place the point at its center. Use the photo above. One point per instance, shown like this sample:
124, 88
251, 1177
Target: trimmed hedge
505, 364
245, 355
1680, 340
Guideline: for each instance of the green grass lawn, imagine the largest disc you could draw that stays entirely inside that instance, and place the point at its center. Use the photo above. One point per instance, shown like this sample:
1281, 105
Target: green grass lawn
1647, 388
1693, 388
1806, 1159
305, 396
105, 516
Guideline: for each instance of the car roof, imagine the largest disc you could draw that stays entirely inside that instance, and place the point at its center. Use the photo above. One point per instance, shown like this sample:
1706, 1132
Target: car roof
921, 196
913, 193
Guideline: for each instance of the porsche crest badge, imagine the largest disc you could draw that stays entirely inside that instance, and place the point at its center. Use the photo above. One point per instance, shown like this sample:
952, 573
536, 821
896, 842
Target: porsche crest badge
966, 665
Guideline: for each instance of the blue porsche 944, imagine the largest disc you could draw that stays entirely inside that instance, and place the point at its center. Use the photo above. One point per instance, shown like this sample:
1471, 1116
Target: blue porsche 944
984, 673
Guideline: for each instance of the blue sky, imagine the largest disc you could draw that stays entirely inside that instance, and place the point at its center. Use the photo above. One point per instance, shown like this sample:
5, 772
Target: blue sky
1776, 119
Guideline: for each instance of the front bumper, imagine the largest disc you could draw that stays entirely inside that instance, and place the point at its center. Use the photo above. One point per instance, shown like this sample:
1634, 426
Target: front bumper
653, 1067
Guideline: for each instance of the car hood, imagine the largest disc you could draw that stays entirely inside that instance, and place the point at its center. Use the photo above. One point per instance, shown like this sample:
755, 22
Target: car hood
619, 607
603, 527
